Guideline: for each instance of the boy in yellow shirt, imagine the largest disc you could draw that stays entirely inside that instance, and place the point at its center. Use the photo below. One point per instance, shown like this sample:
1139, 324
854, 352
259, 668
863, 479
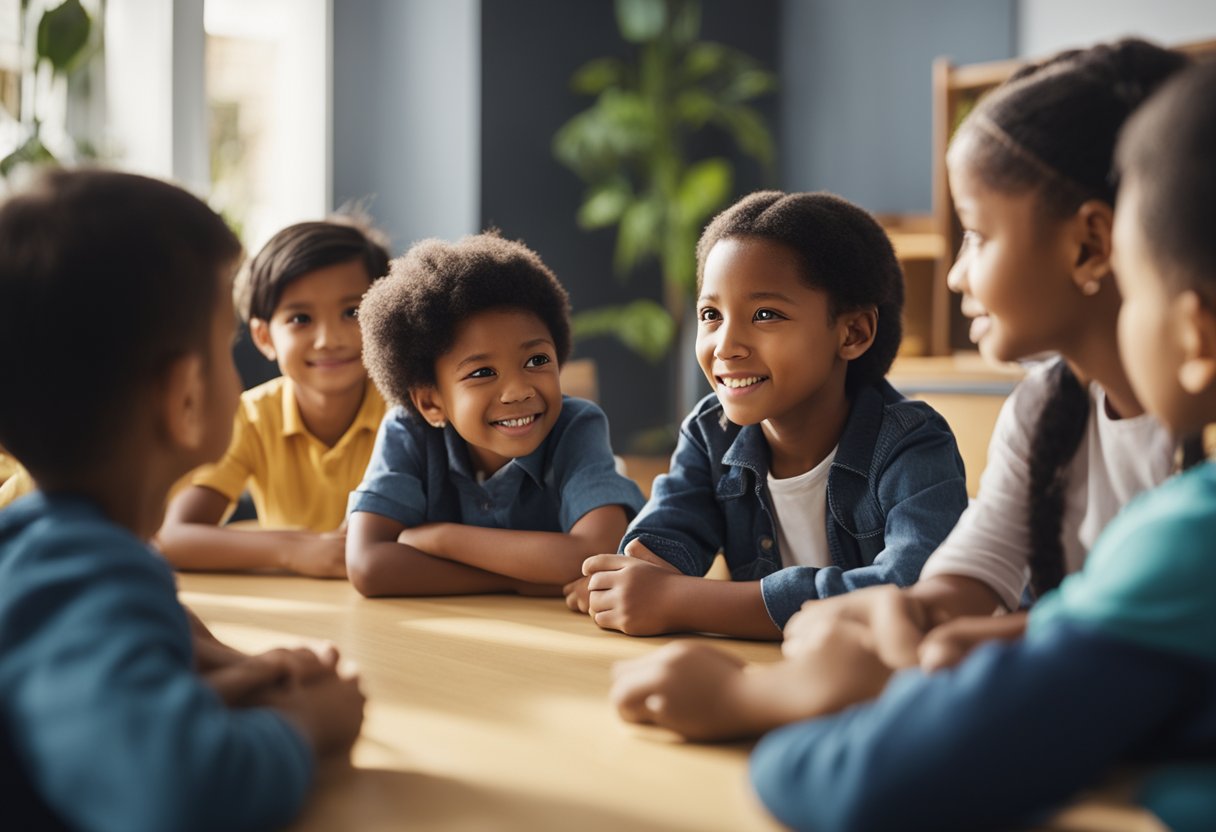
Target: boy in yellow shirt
301, 441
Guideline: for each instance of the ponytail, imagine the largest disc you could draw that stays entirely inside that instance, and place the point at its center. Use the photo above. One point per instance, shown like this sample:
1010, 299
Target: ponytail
1057, 435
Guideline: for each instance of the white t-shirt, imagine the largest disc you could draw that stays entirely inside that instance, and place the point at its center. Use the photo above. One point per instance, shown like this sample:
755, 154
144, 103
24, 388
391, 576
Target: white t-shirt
1116, 460
800, 513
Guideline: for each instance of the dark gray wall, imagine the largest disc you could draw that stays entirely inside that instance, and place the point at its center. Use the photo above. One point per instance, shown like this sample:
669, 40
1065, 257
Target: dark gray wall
856, 95
529, 50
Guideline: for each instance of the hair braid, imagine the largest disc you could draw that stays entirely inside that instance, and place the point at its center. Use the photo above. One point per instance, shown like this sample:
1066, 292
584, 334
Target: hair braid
1057, 435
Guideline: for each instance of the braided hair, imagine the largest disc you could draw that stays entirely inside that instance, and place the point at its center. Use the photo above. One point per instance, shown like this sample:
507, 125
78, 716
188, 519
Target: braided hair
1051, 129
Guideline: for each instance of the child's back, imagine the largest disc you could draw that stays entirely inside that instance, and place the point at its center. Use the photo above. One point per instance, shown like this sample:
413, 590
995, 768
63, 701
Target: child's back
105, 706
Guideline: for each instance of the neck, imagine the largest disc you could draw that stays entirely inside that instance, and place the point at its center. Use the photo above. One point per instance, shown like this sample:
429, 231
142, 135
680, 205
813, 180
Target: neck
328, 416
1094, 356
801, 439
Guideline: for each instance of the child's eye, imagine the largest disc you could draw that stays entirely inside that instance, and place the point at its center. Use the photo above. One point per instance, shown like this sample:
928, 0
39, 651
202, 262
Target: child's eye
708, 314
538, 360
299, 318
482, 372
767, 315
352, 312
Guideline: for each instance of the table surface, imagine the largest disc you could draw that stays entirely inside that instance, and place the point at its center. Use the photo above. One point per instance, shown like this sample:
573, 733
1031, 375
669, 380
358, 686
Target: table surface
490, 712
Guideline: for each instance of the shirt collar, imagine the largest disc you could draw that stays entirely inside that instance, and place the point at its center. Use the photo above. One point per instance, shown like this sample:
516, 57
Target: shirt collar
459, 461
370, 413
855, 450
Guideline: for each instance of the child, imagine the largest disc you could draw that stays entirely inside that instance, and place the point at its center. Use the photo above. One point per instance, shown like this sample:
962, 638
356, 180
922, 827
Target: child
102, 712
484, 478
1065, 455
806, 468
1118, 664
301, 441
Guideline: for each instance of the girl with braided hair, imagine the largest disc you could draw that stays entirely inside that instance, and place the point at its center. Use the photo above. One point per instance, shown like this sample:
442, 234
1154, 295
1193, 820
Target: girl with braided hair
1030, 171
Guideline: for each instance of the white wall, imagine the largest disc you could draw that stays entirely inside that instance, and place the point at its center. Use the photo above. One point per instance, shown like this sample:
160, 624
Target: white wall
1046, 26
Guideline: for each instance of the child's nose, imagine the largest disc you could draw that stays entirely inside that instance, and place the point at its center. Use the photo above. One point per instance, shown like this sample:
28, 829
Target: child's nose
956, 278
730, 345
517, 389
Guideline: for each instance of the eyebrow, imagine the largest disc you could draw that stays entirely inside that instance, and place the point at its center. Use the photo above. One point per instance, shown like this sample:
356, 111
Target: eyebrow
485, 356
752, 296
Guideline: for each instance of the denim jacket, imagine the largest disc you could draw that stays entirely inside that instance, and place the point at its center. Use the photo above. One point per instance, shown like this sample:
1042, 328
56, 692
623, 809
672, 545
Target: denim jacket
895, 490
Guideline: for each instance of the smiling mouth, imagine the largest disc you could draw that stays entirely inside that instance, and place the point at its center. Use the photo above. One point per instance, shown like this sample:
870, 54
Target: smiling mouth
522, 421
740, 383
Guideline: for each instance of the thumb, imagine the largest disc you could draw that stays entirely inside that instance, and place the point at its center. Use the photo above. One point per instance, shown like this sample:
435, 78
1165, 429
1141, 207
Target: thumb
638, 550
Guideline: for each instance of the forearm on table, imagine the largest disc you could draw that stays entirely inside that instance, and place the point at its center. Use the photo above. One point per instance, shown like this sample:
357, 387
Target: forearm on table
731, 608
946, 597
390, 568
537, 557
199, 546
793, 689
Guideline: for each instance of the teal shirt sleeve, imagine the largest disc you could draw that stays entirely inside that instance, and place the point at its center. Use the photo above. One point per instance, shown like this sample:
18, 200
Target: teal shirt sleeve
107, 717
1151, 576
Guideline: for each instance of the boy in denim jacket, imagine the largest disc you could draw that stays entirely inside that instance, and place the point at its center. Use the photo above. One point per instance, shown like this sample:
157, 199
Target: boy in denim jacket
805, 468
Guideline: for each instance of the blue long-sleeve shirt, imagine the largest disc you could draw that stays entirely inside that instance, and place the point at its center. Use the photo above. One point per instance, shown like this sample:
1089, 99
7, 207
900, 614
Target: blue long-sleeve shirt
1118, 665
100, 705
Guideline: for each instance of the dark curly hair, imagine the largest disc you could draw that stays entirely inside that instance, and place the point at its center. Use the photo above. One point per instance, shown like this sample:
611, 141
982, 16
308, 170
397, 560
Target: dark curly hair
1051, 129
410, 318
844, 251
106, 278
302, 248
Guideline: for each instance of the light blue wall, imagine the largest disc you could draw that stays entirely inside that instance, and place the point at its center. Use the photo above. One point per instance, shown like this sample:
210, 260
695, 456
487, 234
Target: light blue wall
406, 114
857, 96
1046, 26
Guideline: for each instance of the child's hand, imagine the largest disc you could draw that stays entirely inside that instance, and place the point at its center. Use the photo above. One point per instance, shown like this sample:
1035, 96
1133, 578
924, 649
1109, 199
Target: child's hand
328, 709
637, 549
689, 688
321, 556
949, 644
890, 621
631, 595
251, 680
578, 594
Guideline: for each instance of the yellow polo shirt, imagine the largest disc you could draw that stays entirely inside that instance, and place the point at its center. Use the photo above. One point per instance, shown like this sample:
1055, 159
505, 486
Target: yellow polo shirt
15, 481
296, 481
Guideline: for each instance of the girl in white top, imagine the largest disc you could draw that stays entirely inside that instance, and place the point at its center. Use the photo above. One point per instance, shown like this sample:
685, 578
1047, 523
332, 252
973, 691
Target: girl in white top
1029, 171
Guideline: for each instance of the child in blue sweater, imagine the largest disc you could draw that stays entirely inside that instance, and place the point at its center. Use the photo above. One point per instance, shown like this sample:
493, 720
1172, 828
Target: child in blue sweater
1119, 664
118, 711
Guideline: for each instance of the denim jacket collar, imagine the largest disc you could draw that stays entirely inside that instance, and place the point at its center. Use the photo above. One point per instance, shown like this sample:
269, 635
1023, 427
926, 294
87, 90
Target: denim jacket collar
459, 460
854, 453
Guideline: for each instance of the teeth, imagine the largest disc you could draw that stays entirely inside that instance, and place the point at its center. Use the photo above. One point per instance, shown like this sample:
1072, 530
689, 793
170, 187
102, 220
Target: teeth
742, 382
516, 423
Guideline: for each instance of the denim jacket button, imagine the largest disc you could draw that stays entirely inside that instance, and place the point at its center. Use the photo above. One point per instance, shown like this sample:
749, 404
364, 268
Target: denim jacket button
766, 543
485, 506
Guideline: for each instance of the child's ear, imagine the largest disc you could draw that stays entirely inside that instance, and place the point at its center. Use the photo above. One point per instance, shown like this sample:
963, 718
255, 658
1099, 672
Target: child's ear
1196, 327
429, 404
259, 331
1092, 235
183, 408
857, 330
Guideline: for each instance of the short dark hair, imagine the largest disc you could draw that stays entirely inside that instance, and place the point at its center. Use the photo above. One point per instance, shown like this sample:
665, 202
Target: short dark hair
1052, 125
302, 248
410, 318
1169, 150
844, 252
106, 278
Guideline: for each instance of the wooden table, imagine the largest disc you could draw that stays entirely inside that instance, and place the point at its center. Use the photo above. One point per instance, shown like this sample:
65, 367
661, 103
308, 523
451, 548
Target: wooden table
490, 713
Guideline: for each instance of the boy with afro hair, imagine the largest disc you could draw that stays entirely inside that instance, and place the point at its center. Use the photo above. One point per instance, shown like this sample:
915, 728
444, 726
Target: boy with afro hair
484, 477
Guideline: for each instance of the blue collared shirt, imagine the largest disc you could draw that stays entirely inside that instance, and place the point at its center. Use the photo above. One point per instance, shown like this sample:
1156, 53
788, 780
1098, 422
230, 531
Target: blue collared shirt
895, 490
420, 474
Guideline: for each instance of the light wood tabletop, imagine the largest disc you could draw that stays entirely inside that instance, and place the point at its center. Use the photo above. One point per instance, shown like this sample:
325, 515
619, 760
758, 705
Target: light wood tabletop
491, 713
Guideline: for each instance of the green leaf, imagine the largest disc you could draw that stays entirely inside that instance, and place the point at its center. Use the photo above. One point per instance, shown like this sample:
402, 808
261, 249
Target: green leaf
641, 21
749, 84
32, 151
704, 188
605, 204
595, 143
643, 326
680, 258
639, 234
62, 34
685, 21
695, 107
748, 130
598, 75
702, 60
